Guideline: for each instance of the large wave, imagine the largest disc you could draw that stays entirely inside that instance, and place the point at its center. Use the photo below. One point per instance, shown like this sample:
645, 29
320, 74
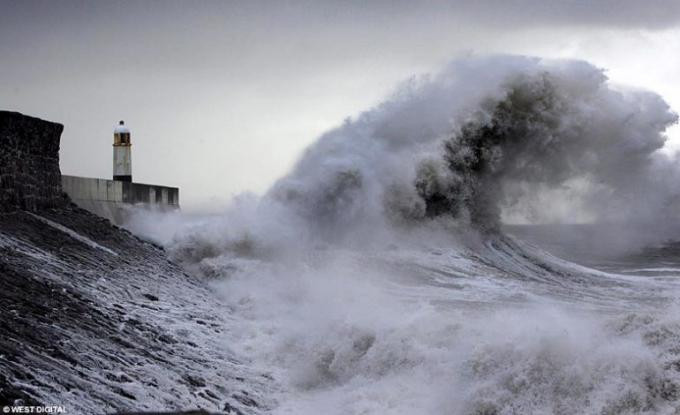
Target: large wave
486, 139
374, 278
490, 134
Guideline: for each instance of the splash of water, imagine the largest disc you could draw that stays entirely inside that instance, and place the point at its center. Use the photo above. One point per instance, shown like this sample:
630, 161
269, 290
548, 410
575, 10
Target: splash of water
374, 277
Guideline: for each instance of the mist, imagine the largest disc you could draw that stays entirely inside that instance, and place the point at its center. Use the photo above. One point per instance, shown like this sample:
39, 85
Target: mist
377, 276
484, 141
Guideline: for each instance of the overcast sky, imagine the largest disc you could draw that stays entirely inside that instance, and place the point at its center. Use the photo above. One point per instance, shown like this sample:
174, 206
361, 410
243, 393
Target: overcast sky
222, 97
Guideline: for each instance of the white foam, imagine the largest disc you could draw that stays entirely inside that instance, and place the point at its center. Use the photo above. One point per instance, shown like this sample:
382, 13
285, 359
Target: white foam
75, 235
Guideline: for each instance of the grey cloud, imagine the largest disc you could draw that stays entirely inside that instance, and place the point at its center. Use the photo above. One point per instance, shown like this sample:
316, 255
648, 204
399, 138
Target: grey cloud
634, 14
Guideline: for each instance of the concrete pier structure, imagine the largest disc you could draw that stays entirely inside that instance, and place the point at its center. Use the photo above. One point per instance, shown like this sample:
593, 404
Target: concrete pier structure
113, 199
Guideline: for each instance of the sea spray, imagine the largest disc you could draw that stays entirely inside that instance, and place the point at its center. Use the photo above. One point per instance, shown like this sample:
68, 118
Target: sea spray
374, 278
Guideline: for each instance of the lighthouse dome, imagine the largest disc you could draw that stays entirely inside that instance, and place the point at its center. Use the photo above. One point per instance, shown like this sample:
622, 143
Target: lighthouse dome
121, 128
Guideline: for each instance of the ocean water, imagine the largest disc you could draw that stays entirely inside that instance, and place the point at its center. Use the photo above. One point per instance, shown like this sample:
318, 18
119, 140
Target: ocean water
377, 277
504, 328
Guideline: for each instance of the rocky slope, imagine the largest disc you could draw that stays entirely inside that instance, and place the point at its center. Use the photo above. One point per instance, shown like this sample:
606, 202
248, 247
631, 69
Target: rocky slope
93, 318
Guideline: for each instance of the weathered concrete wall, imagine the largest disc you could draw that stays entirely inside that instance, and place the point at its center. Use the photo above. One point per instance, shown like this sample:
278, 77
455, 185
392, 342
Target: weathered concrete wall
30, 178
79, 188
152, 194
113, 199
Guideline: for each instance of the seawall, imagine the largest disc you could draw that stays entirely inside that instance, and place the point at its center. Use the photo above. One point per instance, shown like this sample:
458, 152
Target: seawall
94, 319
111, 199
30, 178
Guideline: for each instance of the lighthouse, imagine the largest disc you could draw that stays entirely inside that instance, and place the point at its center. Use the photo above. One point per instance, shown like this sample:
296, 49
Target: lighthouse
111, 198
122, 153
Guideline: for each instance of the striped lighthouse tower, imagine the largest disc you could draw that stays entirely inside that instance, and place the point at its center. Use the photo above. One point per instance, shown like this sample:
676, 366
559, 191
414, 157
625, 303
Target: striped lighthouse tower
122, 153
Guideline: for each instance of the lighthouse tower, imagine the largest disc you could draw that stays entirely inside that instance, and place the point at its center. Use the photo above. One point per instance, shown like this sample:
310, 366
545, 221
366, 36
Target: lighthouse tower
122, 153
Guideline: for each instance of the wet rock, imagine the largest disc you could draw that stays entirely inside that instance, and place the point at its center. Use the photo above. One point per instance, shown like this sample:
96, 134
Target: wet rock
9, 394
124, 393
230, 409
195, 381
245, 400
120, 378
166, 338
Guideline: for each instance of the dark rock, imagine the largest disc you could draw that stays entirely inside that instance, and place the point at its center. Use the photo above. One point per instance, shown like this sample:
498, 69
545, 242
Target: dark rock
166, 338
124, 393
246, 400
122, 378
9, 394
151, 297
195, 381
212, 395
230, 409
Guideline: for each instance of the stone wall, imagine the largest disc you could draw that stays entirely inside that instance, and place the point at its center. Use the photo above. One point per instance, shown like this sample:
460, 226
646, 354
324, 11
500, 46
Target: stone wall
30, 178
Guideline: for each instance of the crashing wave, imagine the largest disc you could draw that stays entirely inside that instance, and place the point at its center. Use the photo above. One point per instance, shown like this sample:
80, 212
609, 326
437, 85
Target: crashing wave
374, 278
437, 148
